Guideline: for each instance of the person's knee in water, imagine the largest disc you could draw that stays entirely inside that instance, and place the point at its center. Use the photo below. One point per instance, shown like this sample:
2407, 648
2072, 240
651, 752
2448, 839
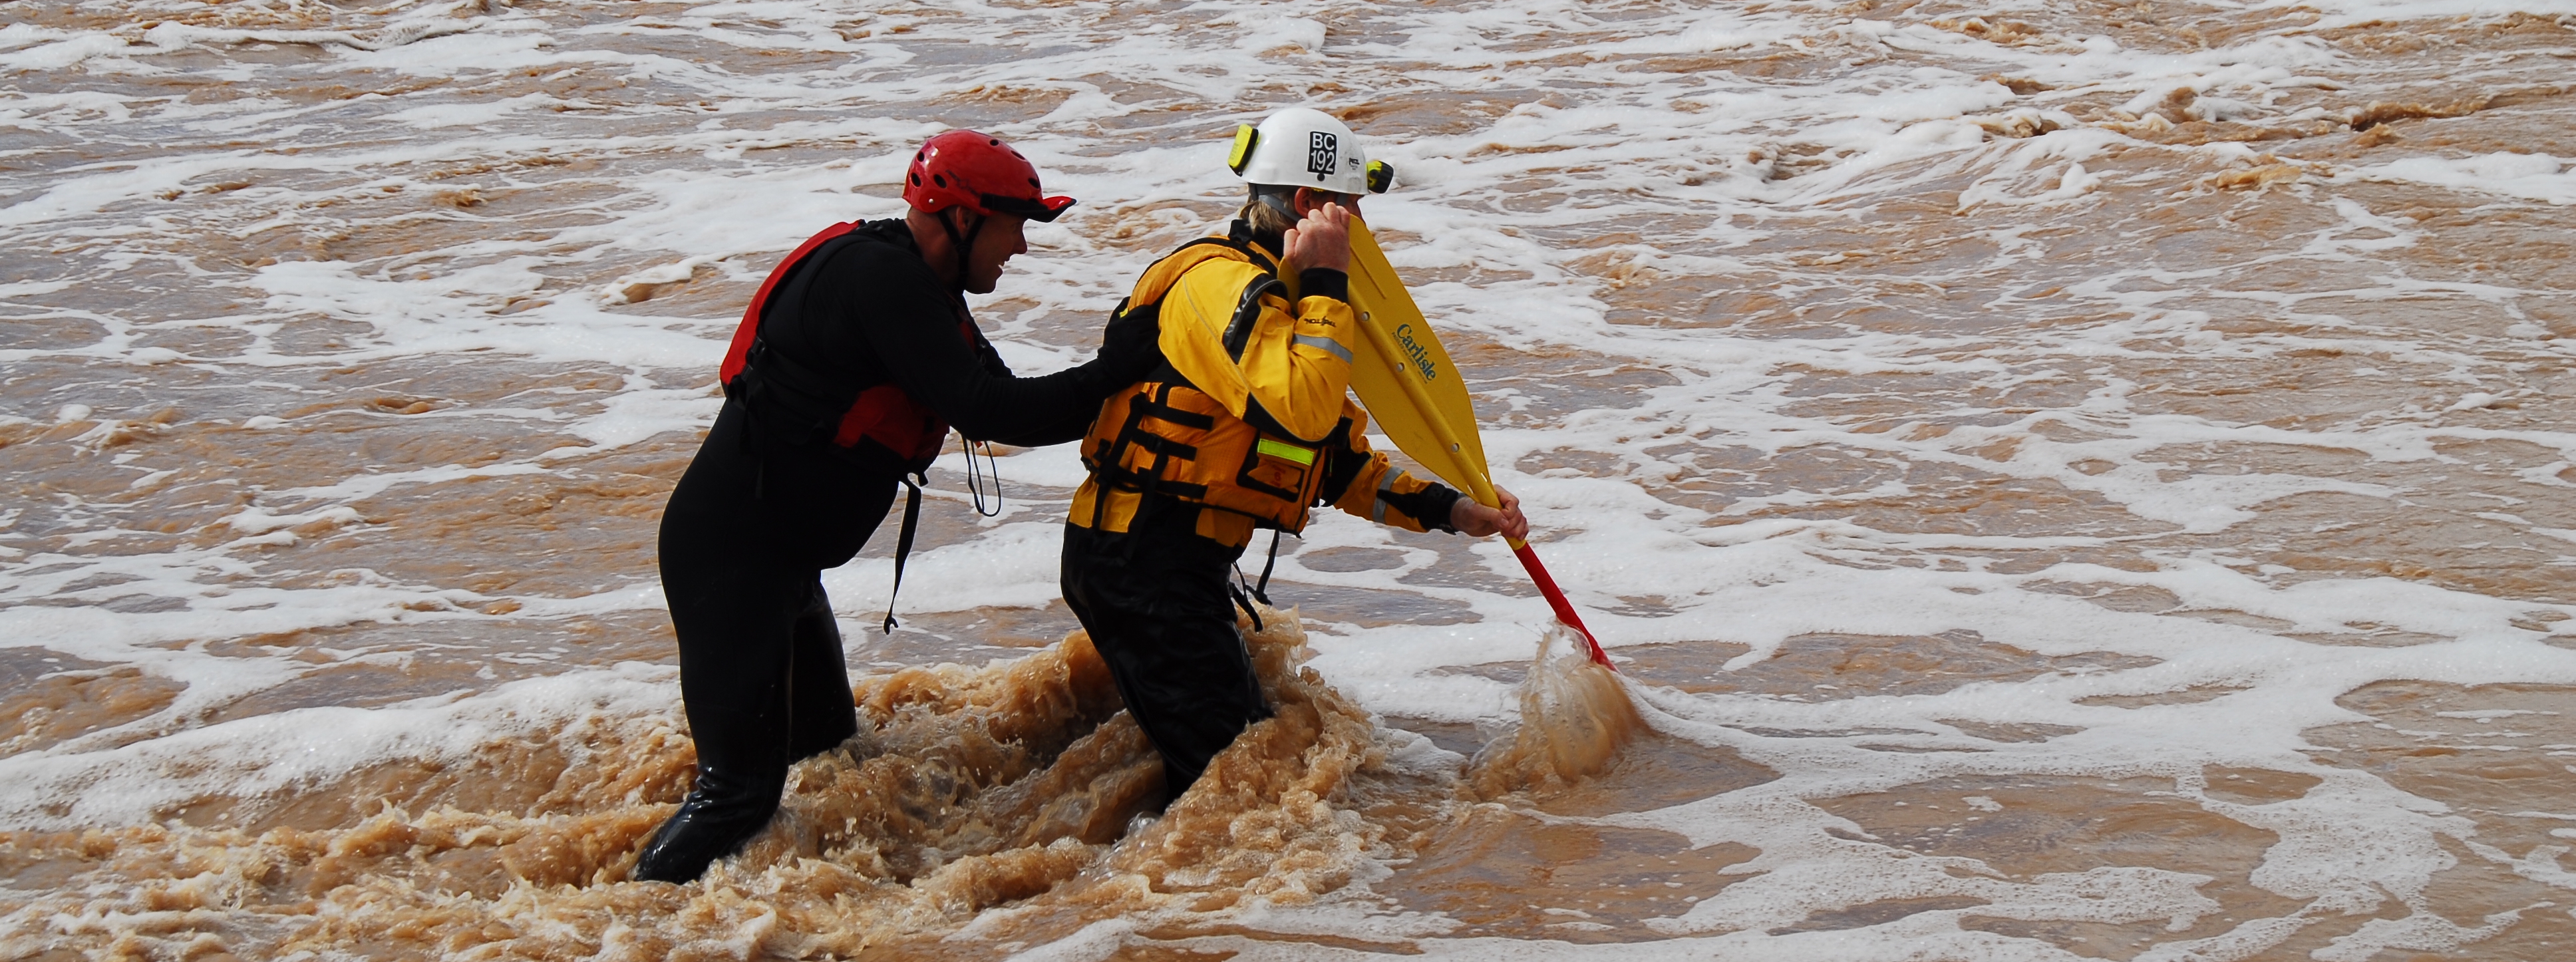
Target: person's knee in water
1182, 475
851, 364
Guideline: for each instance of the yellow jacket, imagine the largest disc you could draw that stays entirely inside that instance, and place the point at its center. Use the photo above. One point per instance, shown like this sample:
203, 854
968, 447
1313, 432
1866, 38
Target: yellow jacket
1250, 416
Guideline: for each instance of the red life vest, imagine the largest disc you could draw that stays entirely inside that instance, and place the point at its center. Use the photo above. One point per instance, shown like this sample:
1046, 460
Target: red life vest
879, 413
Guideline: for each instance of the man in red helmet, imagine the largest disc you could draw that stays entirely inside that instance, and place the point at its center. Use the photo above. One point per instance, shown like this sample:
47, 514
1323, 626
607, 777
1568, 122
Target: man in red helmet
851, 364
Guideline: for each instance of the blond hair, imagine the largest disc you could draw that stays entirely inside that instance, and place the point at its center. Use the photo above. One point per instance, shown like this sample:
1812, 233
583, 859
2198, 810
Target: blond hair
1265, 218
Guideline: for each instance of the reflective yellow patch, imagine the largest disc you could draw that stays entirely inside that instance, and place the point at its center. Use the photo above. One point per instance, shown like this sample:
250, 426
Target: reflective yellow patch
1285, 451
1244, 137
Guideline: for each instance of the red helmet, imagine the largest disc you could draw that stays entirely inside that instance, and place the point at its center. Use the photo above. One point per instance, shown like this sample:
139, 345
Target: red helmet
979, 173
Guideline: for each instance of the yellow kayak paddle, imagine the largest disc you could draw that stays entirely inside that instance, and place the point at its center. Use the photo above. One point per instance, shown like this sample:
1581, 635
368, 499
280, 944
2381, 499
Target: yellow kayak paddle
1405, 379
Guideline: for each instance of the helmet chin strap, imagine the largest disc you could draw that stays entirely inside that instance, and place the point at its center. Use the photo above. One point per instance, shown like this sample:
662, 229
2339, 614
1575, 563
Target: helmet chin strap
964, 243
1279, 202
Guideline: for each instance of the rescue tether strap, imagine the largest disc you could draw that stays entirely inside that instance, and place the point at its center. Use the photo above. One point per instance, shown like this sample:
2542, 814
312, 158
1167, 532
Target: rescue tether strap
1260, 591
903, 542
1246, 603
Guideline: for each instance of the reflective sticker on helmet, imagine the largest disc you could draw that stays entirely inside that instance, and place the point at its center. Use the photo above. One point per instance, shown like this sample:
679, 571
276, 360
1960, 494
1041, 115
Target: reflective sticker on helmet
1285, 451
1323, 153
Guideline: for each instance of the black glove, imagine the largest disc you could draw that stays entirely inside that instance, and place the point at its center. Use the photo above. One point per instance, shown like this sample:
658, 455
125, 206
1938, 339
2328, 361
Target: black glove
1130, 349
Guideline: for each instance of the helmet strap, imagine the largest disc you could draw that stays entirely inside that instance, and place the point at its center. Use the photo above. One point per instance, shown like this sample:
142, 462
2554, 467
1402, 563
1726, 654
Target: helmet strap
963, 243
1265, 200
1281, 201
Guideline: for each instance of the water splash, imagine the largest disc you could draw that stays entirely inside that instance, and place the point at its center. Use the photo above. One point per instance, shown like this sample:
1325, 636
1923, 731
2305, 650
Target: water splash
972, 787
1575, 714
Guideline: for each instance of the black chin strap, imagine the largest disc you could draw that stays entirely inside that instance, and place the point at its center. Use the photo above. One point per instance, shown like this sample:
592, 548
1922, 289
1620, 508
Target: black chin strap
1279, 202
964, 243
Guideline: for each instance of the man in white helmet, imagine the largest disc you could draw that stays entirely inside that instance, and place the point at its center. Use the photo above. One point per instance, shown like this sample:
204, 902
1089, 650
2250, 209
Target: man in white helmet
1246, 425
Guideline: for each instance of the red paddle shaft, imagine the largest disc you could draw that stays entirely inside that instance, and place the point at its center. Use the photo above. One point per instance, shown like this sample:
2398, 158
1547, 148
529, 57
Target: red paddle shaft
1556, 599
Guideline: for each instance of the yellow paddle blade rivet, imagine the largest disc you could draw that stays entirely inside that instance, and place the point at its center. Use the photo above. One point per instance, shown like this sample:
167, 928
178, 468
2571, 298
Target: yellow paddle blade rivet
1244, 137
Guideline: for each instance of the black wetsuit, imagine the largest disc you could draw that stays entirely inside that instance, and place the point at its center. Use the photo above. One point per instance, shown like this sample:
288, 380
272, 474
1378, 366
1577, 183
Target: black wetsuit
766, 506
1160, 611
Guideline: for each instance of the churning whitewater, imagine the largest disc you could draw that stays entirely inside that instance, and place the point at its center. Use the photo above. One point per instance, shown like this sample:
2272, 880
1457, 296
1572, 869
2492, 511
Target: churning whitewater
2059, 480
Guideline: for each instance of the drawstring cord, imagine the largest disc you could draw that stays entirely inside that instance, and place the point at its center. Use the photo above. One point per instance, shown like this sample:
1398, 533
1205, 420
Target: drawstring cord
990, 475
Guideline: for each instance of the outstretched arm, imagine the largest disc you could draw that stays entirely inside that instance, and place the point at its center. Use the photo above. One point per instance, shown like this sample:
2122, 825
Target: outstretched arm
1365, 483
974, 391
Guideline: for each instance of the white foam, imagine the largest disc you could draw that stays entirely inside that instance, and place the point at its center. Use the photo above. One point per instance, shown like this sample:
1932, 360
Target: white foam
265, 758
2529, 176
1093, 942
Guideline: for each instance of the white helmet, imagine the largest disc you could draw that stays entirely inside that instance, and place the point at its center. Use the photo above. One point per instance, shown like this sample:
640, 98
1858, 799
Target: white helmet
1304, 147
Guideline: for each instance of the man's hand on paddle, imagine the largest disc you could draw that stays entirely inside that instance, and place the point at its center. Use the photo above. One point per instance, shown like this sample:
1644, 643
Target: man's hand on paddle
1322, 239
1475, 519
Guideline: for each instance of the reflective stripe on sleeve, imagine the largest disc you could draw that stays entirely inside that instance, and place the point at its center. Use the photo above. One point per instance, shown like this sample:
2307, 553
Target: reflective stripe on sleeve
1385, 488
1326, 344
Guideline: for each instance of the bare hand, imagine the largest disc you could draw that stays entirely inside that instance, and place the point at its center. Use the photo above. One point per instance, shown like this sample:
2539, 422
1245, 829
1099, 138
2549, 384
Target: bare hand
1323, 239
1477, 520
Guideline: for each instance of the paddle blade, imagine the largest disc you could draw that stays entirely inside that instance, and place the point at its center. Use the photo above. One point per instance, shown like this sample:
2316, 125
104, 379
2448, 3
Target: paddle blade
1406, 380
1382, 302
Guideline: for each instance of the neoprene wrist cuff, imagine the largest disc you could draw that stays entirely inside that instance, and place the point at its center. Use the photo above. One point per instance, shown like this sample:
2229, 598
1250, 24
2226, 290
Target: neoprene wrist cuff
1447, 499
1324, 282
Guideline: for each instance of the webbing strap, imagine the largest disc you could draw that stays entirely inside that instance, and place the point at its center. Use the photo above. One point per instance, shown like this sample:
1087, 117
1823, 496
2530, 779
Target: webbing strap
1262, 590
1161, 409
903, 545
1248, 611
1157, 444
1244, 597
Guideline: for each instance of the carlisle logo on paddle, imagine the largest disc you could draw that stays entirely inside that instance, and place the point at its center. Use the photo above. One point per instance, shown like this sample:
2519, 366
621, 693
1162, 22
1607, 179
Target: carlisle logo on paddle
1323, 153
1413, 349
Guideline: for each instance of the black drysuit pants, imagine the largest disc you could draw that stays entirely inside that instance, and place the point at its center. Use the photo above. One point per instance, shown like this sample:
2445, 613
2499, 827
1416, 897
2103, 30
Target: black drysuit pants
744, 541
1156, 604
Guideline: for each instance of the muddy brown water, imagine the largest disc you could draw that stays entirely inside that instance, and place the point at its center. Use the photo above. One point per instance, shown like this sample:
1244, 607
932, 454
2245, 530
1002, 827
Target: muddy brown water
328, 407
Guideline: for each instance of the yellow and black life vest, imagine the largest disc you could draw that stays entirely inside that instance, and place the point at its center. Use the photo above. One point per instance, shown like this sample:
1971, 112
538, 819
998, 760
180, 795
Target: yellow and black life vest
1167, 436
